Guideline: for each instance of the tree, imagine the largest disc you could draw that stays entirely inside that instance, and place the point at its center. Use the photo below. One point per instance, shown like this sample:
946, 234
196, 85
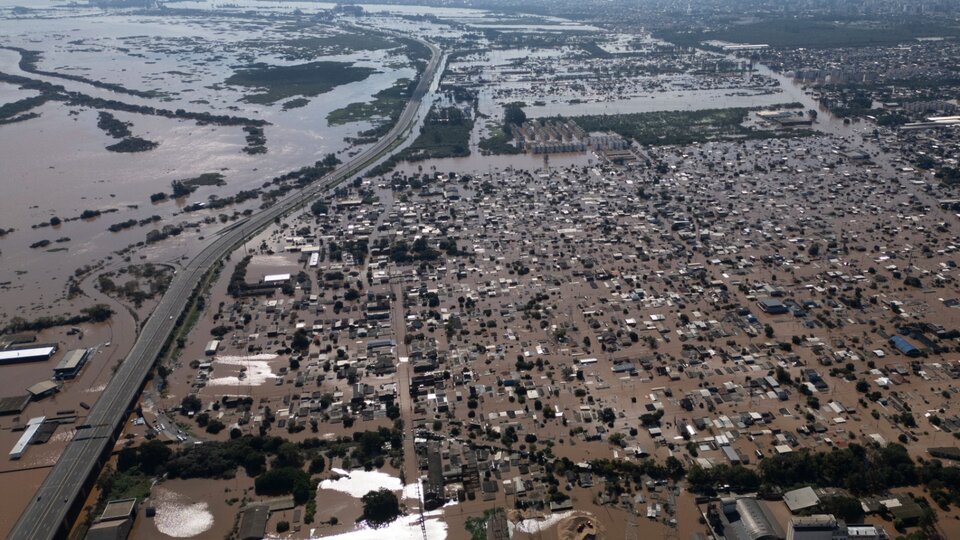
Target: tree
513, 115
152, 454
219, 331
845, 508
127, 459
190, 404
317, 465
616, 439
284, 481
301, 341
319, 208
254, 463
380, 507
674, 467
863, 386
288, 455
98, 312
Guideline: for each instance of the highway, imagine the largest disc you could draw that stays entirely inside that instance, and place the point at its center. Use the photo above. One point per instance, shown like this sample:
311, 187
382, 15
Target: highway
63, 493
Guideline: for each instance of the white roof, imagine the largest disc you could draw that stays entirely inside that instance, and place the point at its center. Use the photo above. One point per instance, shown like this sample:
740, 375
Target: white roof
32, 426
276, 277
26, 353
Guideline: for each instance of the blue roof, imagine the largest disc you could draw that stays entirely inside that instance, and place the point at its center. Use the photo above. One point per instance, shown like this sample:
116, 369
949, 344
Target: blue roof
904, 346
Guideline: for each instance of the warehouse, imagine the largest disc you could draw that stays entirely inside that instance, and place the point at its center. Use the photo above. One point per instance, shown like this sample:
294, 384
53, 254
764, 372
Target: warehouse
773, 307
904, 346
37, 353
71, 364
27, 437
43, 389
275, 280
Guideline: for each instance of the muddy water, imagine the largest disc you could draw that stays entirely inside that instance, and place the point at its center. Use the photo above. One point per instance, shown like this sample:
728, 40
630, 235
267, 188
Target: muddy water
195, 508
57, 165
10, 93
32, 468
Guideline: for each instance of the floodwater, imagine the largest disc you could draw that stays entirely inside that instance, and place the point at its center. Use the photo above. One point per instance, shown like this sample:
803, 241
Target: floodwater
180, 517
358, 483
257, 370
195, 508
57, 165
10, 93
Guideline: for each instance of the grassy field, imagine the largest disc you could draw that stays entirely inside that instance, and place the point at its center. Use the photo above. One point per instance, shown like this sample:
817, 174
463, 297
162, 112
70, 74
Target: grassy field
815, 33
679, 127
282, 82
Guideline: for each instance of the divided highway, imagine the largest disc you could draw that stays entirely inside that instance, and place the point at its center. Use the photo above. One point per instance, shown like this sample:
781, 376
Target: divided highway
63, 493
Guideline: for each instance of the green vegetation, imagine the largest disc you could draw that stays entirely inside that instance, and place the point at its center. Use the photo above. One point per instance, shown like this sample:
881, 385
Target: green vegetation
133, 144
861, 470
401, 252
133, 476
500, 139
114, 485
284, 481
17, 111
309, 47
53, 92
513, 115
818, 33
113, 127
380, 507
29, 60
949, 176
183, 188
477, 525
256, 139
295, 103
680, 127
499, 142
283, 82
221, 459
445, 133
95, 314
387, 104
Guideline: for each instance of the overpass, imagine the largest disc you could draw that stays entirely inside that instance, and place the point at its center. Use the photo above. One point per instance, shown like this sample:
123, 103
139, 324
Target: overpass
61, 497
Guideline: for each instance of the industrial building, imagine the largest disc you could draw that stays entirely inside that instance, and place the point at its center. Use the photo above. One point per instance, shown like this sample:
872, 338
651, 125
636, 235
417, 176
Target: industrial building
801, 499
253, 522
773, 307
35, 353
749, 519
827, 527
32, 426
43, 389
115, 522
905, 346
275, 280
71, 364
14, 404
